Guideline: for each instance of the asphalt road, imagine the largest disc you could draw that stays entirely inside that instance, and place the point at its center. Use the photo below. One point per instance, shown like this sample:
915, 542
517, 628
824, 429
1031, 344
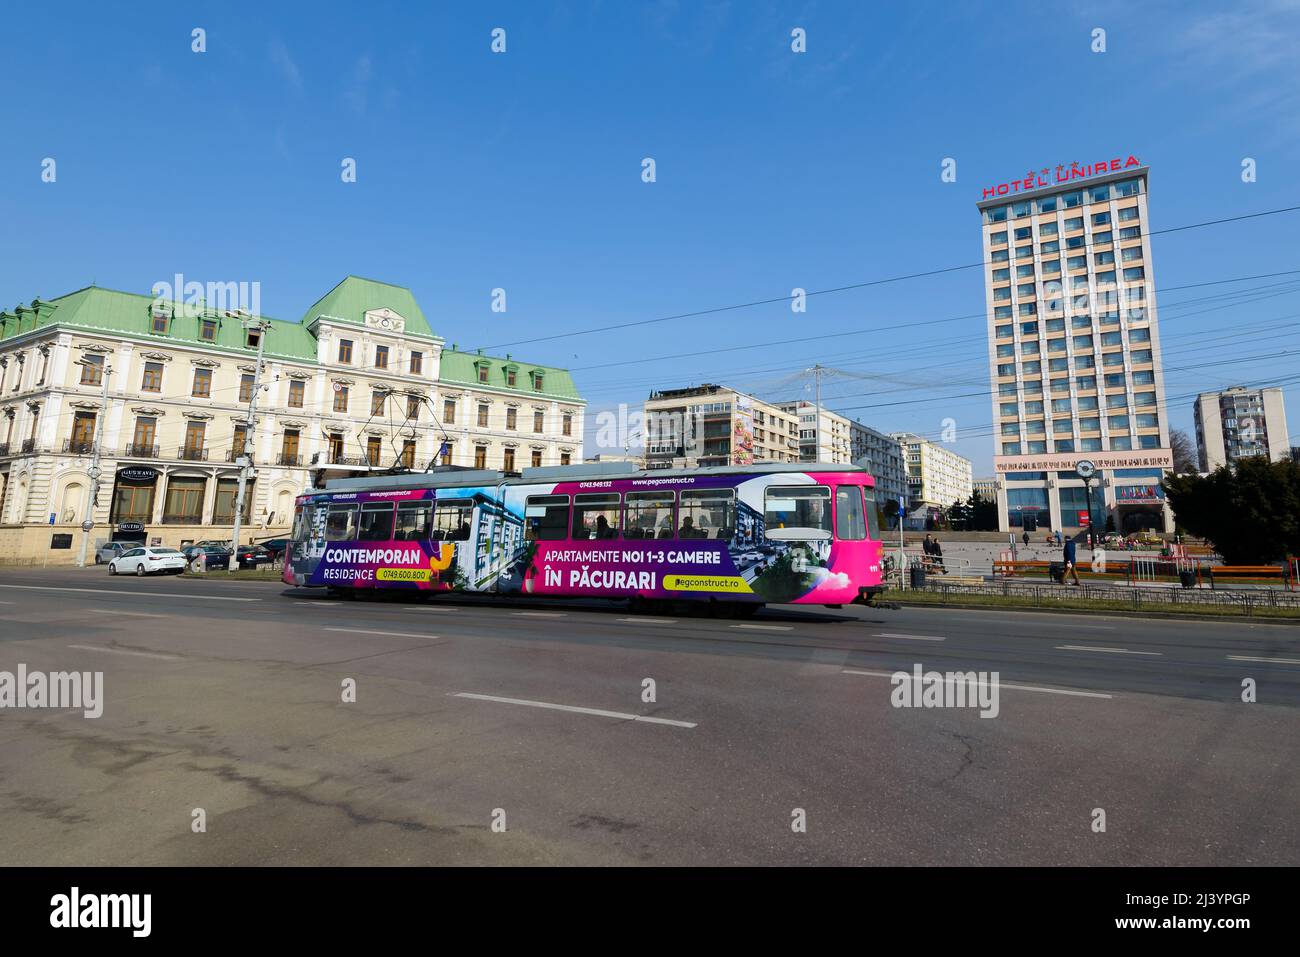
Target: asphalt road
226, 697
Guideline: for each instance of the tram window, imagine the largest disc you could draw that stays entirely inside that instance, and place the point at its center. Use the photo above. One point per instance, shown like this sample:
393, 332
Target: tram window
708, 513
376, 523
797, 513
850, 523
341, 523
300, 523
546, 518
873, 517
413, 521
649, 515
452, 518
595, 516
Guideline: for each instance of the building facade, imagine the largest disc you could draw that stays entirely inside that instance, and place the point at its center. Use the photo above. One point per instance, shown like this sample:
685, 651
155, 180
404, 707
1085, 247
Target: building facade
986, 489
823, 434
1074, 348
882, 456
361, 383
936, 476
1239, 423
714, 425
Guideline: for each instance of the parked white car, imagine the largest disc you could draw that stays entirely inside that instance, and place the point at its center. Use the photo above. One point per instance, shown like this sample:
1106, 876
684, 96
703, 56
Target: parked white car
144, 561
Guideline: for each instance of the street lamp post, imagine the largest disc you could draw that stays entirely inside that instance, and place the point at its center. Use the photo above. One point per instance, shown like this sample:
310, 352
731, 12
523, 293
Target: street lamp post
260, 326
88, 523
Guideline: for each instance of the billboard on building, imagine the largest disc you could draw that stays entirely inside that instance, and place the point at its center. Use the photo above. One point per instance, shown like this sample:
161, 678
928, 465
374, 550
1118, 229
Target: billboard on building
742, 430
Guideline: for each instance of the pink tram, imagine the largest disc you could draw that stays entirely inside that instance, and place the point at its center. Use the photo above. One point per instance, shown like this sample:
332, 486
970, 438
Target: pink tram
737, 537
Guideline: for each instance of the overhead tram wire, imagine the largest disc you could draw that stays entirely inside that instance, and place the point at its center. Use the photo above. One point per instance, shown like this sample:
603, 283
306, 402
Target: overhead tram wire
852, 286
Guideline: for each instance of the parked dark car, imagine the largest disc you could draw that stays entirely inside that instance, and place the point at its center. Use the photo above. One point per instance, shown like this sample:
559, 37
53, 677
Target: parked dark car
253, 556
215, 557
276, 546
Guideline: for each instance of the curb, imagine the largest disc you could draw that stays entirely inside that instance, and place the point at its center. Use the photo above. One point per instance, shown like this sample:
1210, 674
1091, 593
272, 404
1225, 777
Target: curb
1107, 612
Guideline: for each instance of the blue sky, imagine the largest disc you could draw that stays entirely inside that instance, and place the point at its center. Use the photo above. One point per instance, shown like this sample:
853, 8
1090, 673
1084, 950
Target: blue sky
775, 170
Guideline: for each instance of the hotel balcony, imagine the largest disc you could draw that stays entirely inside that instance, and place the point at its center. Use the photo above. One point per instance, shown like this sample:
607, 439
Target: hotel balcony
138, 451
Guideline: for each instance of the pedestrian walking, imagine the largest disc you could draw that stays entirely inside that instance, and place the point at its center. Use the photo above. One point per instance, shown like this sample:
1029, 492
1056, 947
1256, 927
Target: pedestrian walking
1071, 557
1026, 538
936, 555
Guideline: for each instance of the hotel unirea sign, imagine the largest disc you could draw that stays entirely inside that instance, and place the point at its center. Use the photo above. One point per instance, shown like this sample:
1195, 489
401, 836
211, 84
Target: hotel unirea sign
1041, 179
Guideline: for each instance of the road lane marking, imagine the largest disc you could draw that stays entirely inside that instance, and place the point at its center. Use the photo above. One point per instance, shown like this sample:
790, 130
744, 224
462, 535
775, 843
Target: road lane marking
386, 634
888, 634
1001, 684
123, 651
433, 608
649, 621
1272, 661
133, 614
540, 614
1112, 651
115, 591
576, 710
765, 627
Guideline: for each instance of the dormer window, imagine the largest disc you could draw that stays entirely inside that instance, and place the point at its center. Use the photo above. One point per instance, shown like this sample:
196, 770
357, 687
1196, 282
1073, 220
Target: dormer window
482, 371
537, 382
253, 338
208, 330
158, 321
512, 376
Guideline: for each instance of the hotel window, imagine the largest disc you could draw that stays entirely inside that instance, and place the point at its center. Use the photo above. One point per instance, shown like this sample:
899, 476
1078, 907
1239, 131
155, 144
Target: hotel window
1024, 252
340, 398
1115, 380
1130, 232
1037, 448
998, 239
1083, 342
1056, 345
1060, 387
413, 407
1087, 403
1000, 256
289, 447
1128, 187
208, 330
1034, 388
539, 421
1090, 424
1111, 359
1147, 420
1085, 362
1055, 325
1001, 312
408, 454
1144, 377
1008, 408
1007, 368
536, 458
1128, 214
1025, 290
1143, 399
1076, 262
1051, 266
1105, 258
1112, 339
1060, 405
448, 412
1121, 443
1029, 348
1065, 445
512, 417
245, 387
1101, 219
152, 377
997, 214
417, 363
159, 324
1001, 275
1036, 427
1101, 194
1047, 229
1073, 224
1010, 448
202, 388
195, 433
1062, 426
564, 458
1028, 309
1010, 428
537, 382
1025, 272
1058, 365
1141, 355
1002, 294
92, 371
1023, 232
511, 378
381, 357
1021, 209
238, 441
1149, 441
1130, 254
1047, 204
480, 456
1106, 277
482, 415
1050, 247
378, 399
345, 350
297, 390
1007, 388
374, 449
1134, 272
1029, 328
1117, 401
508, 460
483, 372
1034, 368
1070, 200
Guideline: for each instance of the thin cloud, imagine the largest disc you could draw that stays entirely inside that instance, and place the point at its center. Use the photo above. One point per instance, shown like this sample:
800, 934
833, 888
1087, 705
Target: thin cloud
281, 58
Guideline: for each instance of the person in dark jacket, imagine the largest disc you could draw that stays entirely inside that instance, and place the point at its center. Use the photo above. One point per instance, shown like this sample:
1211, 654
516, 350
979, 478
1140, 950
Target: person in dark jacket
1071, 556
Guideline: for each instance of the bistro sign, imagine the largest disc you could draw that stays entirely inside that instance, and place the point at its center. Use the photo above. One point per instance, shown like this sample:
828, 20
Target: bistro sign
138, 474
1063, 174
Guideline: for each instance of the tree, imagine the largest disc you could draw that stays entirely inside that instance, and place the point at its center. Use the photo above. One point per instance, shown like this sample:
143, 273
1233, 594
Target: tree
1250, 512
981, 515
957, 517
1185, 458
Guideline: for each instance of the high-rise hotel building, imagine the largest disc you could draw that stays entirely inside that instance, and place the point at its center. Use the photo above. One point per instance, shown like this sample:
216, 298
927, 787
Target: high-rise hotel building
1074, 350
